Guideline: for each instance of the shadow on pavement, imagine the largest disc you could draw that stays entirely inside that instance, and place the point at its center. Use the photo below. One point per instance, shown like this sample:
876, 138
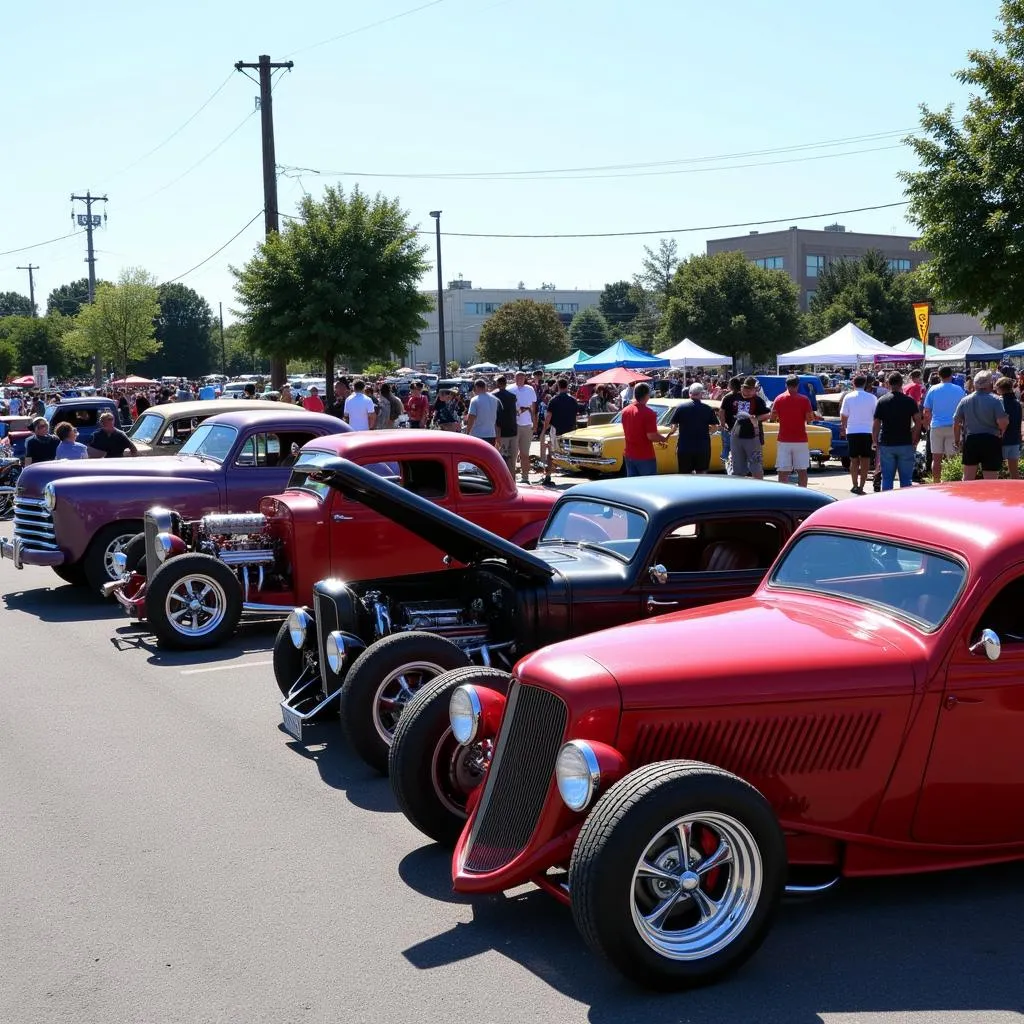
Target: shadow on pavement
61, 603
941, 943
251, 638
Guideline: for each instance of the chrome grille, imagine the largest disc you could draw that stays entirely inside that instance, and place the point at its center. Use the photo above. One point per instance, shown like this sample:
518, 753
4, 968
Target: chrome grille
532, 732
33, 525
331, 600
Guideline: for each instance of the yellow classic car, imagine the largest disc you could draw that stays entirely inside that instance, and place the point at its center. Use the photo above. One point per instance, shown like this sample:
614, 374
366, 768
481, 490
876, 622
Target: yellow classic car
599, 449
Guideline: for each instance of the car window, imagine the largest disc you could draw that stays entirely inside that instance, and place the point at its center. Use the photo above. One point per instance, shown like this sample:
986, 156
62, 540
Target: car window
731, 544
473, 479
1005, 614
210, 441
261, 451
146, 427
612, 528
914, 583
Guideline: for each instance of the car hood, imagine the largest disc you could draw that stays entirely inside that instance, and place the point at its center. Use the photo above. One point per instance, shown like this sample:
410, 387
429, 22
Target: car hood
764, 647
35, 478
601, 432
464, 541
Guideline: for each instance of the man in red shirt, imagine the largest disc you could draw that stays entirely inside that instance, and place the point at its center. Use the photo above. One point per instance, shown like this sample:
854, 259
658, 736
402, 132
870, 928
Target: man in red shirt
417, 405
915, 389
313, 402
792, 411
640, 427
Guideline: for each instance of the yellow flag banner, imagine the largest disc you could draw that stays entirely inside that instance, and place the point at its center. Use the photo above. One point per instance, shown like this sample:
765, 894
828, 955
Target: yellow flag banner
922, 313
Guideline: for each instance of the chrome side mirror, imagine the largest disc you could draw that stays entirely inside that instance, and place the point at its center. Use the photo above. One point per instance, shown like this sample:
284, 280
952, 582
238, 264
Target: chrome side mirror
658, 573
988, 644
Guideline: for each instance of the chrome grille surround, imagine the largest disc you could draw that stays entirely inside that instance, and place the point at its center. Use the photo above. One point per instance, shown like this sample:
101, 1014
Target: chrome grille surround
33, 525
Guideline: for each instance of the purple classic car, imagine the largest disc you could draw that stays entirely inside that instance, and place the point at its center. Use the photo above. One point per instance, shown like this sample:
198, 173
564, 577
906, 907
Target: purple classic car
76, 516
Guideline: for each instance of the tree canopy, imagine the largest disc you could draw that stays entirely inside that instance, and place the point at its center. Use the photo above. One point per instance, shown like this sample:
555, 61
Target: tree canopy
183, 329
120, 324
729, 305
15, 304
523, 332
659, 268
617, 306
590, 331
68, 299
967, 198
341, 280
33, 341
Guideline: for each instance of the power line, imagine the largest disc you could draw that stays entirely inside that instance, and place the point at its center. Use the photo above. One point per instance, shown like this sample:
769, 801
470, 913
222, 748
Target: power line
364, 28
217, 252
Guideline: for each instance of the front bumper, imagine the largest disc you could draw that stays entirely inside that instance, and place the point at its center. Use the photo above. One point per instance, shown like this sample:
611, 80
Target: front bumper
130, 593
21, 556
583, 461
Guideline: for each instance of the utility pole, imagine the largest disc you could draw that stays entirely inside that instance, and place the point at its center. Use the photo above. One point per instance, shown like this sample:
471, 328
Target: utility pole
89, 220
436, 214
223, 351
31, 286
278, 367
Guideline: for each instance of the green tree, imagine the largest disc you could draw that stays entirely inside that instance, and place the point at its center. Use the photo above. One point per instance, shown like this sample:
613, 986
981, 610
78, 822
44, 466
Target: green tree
120, 324
523, 332
341, 280
589, 331
35, 341
183, 329
15, 304
9, 365
659, 269
240, 355
69, 298
729, 305
869, 293
966, 198
386, 367
617, 306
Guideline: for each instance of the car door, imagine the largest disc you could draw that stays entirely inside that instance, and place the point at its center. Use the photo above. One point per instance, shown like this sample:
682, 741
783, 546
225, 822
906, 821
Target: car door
479, 499
973, 788
708, 559
259, 464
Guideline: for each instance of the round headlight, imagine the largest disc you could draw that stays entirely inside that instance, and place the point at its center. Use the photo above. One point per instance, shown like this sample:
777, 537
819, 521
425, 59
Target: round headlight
163, 546
577, 774
565, 444
464, 713
335, 648
596, 447
298, 623
50, 497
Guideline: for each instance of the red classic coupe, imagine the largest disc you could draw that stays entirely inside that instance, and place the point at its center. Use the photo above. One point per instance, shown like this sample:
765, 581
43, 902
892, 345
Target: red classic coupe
861, 714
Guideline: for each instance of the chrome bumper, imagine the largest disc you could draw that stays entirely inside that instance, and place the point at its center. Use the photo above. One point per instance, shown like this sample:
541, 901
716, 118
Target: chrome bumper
582, 460
21, 556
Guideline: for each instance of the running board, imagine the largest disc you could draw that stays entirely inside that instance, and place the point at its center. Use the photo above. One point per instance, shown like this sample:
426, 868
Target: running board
294, 720
811, 890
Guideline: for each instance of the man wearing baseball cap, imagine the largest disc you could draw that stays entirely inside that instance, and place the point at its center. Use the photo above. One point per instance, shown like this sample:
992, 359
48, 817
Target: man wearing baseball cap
695, 422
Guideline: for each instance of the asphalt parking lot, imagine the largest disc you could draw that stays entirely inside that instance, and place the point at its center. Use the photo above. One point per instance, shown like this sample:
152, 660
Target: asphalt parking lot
168, 854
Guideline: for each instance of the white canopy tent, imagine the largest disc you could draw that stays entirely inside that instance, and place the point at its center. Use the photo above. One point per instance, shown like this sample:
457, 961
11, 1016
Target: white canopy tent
970, 350
848, 346
689, 353
912, 347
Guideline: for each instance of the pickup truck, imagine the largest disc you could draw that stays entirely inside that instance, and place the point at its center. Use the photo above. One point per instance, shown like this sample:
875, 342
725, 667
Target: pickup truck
75, 516
84, 413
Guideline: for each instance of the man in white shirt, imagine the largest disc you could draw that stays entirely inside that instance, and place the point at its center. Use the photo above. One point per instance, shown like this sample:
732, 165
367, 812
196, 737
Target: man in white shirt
526, 421
360, 412
856, 416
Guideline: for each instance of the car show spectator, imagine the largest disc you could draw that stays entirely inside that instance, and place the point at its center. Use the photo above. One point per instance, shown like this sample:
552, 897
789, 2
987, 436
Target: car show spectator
940, 405
978, 426
640, 430
747, 433
42, 445
417, 405
559, 419
285, 394
792, 411
915, 389
695, 422
69, 446
336, 405
727, 416
526, 421
856, 418
1012, 433
312, 402
389, 408
445, 415
482, 418
360, 412
896, 428
14, 405
109, 442
508, 429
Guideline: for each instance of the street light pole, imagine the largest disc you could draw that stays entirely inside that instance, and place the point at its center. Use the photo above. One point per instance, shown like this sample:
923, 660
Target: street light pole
436, 214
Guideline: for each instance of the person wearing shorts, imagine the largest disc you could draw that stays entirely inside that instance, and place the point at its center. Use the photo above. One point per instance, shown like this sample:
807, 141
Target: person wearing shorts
856, 418
980, 421
940, 403
1011, 435
792, 411
526, 422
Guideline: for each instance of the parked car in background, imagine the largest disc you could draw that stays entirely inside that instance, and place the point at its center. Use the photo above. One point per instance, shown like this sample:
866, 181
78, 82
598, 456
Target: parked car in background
267, 561
610, 552
859, 715
75, 516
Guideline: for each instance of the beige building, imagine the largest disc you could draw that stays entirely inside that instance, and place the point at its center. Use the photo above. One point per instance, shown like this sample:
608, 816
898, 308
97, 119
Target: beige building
804, 254
466, 310
946, 329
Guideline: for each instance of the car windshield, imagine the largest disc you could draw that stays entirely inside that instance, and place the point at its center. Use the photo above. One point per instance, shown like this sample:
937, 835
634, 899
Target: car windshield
304, 471
210, 441
662, 411
910, 582
595, 524
146, 427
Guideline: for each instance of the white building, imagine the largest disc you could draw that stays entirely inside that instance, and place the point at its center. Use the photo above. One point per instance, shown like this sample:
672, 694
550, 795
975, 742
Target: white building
466, 310
946, 329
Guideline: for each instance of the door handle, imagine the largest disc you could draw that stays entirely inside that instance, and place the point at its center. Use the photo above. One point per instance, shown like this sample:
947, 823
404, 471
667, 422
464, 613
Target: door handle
652, 604
952, 700
339, 518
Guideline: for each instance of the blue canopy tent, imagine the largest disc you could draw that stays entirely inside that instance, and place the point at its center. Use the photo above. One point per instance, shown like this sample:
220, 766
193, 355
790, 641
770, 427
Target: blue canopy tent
1014, 351
622, 354
570, 362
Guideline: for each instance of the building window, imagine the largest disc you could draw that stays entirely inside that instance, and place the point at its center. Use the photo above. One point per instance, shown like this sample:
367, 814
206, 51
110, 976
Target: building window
481, 308
898, 266
566, 307
492, 307
815, 265
811, 292
770, 263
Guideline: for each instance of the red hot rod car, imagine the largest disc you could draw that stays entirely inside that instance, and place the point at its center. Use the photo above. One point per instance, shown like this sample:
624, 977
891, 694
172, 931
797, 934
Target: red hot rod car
861, 714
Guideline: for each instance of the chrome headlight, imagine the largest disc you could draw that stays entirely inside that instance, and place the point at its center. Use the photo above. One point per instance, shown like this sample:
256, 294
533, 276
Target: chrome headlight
335, 648
564, 444
577, 774
163, 546
50, 497
298, 623
596, 447
464, 711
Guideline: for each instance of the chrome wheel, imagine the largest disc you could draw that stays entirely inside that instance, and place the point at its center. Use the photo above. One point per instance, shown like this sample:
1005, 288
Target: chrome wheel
195, 605
456, 770
116, 546
396, 690
696, 886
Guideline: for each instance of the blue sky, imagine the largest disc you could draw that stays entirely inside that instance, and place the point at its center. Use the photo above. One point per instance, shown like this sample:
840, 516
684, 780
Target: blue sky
462, 87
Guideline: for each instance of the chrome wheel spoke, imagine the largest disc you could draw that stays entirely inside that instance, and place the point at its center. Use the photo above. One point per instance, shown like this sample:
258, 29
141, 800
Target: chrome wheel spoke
682, 838
403, 684
721, 857
648, 870
656, 918
178, 597
707, 906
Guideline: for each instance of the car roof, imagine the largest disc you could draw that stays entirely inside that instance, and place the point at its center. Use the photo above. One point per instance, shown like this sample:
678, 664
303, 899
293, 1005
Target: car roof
267, 412
977, 520
215, 407
89, 400
359, 443
654, 494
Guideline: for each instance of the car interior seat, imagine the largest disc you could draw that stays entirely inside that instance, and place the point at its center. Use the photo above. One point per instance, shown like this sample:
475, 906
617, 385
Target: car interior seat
728, 556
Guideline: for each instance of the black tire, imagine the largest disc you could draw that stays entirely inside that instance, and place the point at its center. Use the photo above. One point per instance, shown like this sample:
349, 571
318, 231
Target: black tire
135, 554
425, 762
222, 602
624, 826
73, 574
423, 655
96, 563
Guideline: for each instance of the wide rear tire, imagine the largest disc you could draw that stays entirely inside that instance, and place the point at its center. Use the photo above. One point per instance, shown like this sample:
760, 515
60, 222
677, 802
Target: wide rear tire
193, 601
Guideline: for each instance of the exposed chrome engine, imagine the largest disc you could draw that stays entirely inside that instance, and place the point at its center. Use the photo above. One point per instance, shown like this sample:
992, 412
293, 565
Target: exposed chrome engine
231, 525
468, 625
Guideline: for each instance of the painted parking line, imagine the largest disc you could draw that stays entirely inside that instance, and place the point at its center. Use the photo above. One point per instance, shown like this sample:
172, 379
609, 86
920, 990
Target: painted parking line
224, 668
